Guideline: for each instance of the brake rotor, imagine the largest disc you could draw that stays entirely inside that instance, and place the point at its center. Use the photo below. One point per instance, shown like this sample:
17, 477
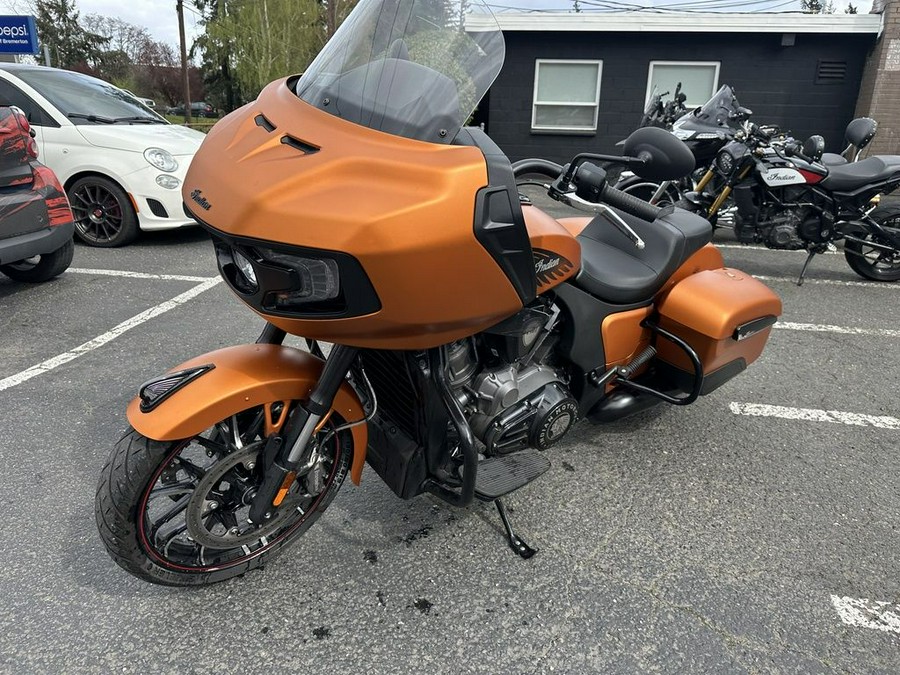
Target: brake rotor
200, 516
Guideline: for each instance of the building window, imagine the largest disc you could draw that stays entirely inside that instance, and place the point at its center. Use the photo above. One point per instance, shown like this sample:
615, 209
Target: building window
566, 95
699, 79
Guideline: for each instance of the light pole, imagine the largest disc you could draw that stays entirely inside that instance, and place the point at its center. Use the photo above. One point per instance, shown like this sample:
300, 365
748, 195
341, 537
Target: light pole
185, 83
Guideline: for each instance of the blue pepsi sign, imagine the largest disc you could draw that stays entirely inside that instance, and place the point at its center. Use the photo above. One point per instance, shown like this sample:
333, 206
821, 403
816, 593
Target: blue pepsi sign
18, 35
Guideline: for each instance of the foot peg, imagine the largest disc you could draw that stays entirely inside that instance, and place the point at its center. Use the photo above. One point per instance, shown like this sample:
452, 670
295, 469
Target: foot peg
522, 549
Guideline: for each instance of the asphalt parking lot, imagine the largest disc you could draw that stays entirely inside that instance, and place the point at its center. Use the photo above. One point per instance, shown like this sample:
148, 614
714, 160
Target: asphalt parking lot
754, 531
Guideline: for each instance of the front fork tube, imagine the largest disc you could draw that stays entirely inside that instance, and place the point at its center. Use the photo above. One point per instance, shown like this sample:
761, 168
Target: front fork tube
283, 454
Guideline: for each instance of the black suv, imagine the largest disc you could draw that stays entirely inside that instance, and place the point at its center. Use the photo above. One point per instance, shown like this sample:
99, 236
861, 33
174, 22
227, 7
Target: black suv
36, 224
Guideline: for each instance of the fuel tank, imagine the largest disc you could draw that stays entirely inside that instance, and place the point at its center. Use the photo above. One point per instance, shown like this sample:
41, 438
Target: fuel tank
290, 190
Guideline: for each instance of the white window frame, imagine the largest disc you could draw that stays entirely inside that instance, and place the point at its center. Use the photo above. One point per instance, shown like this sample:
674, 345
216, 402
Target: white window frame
596, 104
715, 88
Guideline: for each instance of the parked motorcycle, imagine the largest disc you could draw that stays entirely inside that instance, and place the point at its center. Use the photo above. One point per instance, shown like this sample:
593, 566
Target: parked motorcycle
661, 113
787, 198
470, 331
705, 130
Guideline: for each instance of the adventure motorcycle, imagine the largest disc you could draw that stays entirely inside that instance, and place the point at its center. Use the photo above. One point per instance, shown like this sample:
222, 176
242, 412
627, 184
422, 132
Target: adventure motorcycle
470, 330
787, 198
663, 114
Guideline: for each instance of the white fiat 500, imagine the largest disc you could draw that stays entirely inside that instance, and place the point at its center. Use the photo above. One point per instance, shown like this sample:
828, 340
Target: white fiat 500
121, 164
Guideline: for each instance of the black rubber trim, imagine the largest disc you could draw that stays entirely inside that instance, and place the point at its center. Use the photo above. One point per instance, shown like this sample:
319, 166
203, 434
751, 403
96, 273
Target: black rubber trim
297, 144
499, 222
751, 328
261, 121
186, 377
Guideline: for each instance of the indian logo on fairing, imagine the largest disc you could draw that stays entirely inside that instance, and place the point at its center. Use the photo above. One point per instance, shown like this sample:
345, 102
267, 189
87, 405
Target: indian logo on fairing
549, 266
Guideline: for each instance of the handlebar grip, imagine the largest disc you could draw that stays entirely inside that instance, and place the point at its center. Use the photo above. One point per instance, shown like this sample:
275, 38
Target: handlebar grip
541, 166
632, 205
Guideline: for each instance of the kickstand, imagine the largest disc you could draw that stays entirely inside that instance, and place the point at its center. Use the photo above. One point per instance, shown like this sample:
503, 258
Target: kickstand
515, 543
805, 265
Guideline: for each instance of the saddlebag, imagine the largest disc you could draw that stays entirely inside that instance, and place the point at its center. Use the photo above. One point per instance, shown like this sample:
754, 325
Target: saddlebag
724, 316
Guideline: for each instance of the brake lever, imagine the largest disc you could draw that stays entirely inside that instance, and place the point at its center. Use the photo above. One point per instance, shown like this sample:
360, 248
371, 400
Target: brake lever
576, 202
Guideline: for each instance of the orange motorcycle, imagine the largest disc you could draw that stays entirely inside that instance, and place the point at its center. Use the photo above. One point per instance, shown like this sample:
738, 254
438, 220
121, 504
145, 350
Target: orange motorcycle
455, 331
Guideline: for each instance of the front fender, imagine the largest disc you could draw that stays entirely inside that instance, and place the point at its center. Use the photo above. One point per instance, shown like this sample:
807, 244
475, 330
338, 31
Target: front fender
243, 377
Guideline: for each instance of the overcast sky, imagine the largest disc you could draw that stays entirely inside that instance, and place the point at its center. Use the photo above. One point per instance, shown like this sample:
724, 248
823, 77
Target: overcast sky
159, 17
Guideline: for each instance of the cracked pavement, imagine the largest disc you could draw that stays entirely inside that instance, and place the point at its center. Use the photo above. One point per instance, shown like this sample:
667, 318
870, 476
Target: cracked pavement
680, 541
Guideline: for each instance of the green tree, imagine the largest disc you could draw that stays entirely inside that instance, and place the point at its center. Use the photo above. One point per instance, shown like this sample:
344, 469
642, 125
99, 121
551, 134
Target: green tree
817, 6
71, 44
851, 9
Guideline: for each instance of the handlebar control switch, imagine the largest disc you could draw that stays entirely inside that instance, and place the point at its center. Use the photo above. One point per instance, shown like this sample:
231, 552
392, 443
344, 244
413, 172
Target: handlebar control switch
590, 182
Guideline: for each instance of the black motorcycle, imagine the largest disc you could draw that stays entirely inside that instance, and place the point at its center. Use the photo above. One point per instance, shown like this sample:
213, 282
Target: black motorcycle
786, 198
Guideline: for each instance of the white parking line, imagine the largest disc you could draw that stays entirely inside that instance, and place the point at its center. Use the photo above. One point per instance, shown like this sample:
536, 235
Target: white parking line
874, 614
814, 415
846, 330
108, 336
832, 282
754, 247
137, 275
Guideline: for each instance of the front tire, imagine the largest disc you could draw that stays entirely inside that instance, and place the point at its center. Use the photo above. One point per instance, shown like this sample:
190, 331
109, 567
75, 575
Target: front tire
43, 267
175, 513
104, 216
872, 263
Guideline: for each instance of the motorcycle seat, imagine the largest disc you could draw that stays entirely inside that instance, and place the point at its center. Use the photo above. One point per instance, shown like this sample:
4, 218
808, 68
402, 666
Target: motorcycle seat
849, 177
614, 270
830, 159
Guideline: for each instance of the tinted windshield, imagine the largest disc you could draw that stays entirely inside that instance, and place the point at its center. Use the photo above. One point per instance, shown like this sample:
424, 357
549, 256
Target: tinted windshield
77, 94
414, 68
653, 101
718, 109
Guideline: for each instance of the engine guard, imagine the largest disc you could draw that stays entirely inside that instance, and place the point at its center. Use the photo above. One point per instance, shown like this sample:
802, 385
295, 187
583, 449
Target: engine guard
242, 377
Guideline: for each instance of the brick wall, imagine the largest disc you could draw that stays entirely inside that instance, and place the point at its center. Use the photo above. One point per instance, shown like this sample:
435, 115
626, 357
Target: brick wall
777, 82
879, 92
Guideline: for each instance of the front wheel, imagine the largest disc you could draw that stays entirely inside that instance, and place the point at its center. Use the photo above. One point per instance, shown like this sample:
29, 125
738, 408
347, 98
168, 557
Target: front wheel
876, 263
104, 215
175, 513
41, 267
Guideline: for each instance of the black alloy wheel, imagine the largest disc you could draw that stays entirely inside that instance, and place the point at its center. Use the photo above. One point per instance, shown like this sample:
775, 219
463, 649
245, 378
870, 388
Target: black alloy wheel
175, 513
41, 267
103, 212
873, 263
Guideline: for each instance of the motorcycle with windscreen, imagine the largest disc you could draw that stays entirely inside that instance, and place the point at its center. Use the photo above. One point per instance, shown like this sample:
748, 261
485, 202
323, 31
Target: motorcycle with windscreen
455, 332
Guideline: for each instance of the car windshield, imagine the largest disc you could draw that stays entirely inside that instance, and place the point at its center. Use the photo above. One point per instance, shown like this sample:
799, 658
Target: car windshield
413, 68
719, 109
87, 100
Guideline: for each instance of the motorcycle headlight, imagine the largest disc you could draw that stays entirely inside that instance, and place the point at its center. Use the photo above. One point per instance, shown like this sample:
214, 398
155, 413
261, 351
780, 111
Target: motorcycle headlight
161, 159
317, 279
725, 162
682, 134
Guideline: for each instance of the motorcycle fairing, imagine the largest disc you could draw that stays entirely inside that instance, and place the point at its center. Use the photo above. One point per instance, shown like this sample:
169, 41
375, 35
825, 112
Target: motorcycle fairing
242, 377
404, 209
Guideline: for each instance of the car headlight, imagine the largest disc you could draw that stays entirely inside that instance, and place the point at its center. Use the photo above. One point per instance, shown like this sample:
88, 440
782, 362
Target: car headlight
161, 159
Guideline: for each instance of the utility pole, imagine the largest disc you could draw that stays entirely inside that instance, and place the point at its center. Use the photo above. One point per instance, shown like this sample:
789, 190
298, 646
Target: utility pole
185, 83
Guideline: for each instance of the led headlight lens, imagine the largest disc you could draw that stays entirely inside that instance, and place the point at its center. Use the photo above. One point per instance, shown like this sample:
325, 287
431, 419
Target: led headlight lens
246, 269
682, 134
725, 162
168, 182
319, 278
161, 159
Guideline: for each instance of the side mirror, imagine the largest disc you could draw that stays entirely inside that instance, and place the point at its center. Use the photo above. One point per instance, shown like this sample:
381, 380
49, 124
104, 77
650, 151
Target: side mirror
813, 147
661, 155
